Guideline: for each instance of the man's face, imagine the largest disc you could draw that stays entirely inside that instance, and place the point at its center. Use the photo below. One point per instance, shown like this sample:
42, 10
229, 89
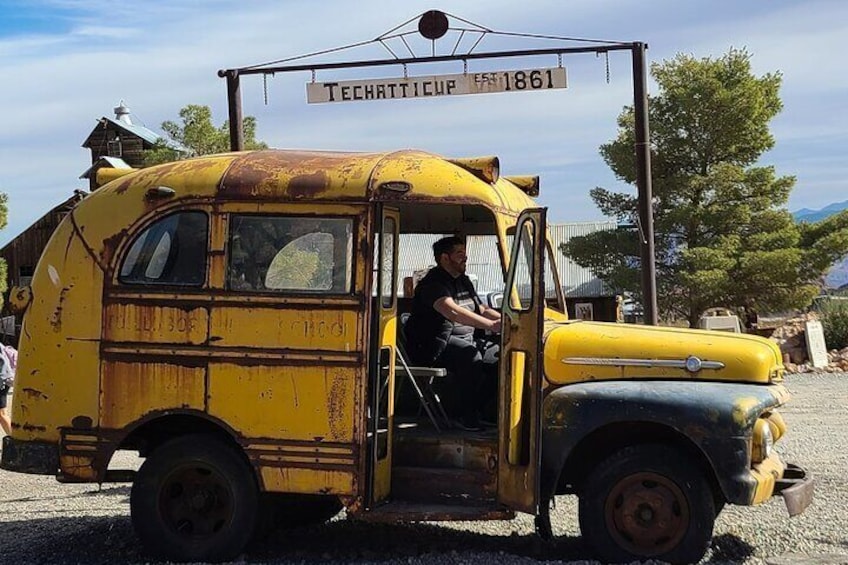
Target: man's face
456, 259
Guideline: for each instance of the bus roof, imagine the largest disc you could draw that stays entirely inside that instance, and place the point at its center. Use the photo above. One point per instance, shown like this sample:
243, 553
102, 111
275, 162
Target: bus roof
292, 175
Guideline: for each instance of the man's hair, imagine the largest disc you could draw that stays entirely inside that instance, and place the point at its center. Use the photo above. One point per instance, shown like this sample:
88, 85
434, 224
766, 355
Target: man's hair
446, 245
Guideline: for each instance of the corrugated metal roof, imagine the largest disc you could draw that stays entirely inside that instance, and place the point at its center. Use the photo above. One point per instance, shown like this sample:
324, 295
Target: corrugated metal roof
578, 281
416, 253
484, 267
113, 162
140, 131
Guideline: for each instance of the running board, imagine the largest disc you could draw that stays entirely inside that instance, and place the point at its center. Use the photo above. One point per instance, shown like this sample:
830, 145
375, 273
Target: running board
402, 511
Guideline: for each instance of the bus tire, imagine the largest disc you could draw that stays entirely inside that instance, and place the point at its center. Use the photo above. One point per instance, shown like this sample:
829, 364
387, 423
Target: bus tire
647, 502
194, 499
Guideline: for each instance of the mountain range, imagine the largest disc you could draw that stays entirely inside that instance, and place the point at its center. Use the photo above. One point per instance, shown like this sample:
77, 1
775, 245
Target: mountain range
811, 216
837, 276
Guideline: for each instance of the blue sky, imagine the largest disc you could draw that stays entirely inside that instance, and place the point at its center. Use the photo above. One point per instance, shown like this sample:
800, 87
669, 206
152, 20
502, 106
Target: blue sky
66, 63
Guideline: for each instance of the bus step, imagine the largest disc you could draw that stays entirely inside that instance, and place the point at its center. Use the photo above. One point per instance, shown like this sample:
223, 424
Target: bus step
403, 511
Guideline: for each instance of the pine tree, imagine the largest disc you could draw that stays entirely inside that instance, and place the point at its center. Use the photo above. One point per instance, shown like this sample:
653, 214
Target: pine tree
723, 234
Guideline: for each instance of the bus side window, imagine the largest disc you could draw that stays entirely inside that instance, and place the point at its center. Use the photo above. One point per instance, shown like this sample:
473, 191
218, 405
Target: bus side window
290, 254
172, 251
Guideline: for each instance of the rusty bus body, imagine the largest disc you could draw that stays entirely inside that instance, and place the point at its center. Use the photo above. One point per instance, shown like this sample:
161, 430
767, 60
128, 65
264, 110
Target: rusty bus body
234, 319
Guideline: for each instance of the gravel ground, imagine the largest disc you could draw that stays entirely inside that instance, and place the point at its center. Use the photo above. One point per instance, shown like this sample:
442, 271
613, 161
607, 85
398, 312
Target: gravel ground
47, 522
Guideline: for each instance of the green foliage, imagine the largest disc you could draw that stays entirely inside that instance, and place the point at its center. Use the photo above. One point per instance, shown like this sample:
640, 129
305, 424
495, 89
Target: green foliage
304, 263
196, 135
723, 236
825, 241
834, 315
295, 269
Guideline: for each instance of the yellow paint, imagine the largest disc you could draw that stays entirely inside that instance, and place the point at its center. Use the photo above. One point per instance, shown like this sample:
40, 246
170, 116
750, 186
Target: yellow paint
132, 390
295, 403
106, 175
765, 474
387, 300
777, 425
742, 409
155, 324
246, 326
746, 358
278, 479
58, 372
518, 370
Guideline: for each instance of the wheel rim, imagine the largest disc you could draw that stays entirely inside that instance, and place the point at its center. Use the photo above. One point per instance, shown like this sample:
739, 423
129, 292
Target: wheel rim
195, 501
646, 514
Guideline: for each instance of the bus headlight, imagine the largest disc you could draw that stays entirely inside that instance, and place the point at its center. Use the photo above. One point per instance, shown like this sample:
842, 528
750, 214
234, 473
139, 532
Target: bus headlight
762, 442
776, 423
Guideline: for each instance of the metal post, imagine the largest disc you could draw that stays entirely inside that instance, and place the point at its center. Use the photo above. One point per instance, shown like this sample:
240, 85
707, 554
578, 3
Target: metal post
234, 103
643, 184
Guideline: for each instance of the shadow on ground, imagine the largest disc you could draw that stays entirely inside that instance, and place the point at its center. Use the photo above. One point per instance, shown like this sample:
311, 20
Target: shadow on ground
102, 540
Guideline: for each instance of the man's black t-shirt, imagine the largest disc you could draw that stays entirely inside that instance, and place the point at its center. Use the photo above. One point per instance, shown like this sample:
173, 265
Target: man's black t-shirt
427, 331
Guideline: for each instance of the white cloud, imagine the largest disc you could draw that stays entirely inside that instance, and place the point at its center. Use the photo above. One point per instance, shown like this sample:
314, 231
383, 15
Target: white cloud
159, 56
110, 32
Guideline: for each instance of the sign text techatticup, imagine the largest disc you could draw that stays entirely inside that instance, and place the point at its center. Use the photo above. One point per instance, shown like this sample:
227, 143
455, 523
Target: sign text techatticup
436, 85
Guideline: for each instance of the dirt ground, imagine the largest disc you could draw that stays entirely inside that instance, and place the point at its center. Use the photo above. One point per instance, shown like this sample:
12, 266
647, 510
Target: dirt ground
43, 521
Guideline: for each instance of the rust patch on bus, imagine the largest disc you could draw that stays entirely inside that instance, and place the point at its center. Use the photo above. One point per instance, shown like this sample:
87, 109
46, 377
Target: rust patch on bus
31, 392
56, 318
123, 185
308, 186
265, 174
335, 404
110, 246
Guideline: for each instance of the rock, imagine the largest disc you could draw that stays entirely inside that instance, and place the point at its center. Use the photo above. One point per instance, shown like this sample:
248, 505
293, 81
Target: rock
791, 337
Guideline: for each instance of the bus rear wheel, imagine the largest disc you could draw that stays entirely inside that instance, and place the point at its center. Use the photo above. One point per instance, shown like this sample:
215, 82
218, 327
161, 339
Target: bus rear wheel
647, 502
194, 499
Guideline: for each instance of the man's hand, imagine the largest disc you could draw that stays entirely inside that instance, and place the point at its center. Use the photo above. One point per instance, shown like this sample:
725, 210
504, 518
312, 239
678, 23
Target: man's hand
495, 327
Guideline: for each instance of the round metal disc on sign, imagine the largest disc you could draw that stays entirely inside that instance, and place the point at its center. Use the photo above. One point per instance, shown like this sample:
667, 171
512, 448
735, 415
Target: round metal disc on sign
433, 24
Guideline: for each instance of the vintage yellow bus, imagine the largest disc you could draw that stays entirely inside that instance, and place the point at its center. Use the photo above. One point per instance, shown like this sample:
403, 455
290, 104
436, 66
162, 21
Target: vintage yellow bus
234, 319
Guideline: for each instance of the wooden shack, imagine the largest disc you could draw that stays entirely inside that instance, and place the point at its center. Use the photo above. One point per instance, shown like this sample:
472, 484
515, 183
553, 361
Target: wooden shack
116, 142
118, 138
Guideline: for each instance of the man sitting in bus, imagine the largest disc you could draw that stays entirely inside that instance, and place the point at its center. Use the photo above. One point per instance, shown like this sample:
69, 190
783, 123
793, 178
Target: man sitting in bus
440, 331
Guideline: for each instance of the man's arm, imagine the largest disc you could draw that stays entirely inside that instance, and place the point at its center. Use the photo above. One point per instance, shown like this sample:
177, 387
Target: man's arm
489, 313
447, 307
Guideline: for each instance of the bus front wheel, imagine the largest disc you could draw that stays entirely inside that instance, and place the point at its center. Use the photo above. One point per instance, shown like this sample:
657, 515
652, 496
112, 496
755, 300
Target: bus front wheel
647, 502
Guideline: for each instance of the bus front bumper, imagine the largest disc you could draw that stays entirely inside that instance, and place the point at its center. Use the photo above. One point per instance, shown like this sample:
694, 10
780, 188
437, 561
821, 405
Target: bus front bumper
33, 457
796, 488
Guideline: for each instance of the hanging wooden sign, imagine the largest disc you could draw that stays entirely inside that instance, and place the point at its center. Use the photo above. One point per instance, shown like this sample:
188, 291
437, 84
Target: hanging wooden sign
436, 85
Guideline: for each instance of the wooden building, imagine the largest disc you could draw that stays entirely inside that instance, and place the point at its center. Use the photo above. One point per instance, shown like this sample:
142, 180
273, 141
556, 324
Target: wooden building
118, 138
114, 142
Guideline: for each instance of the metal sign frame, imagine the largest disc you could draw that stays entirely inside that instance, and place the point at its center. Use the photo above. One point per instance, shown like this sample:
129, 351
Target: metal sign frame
432, 31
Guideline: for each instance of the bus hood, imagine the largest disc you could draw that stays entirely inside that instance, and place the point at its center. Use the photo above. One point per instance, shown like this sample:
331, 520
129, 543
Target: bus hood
580, 351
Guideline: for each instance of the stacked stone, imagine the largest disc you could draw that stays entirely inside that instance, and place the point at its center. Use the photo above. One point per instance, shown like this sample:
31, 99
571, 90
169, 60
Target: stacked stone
793, 343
